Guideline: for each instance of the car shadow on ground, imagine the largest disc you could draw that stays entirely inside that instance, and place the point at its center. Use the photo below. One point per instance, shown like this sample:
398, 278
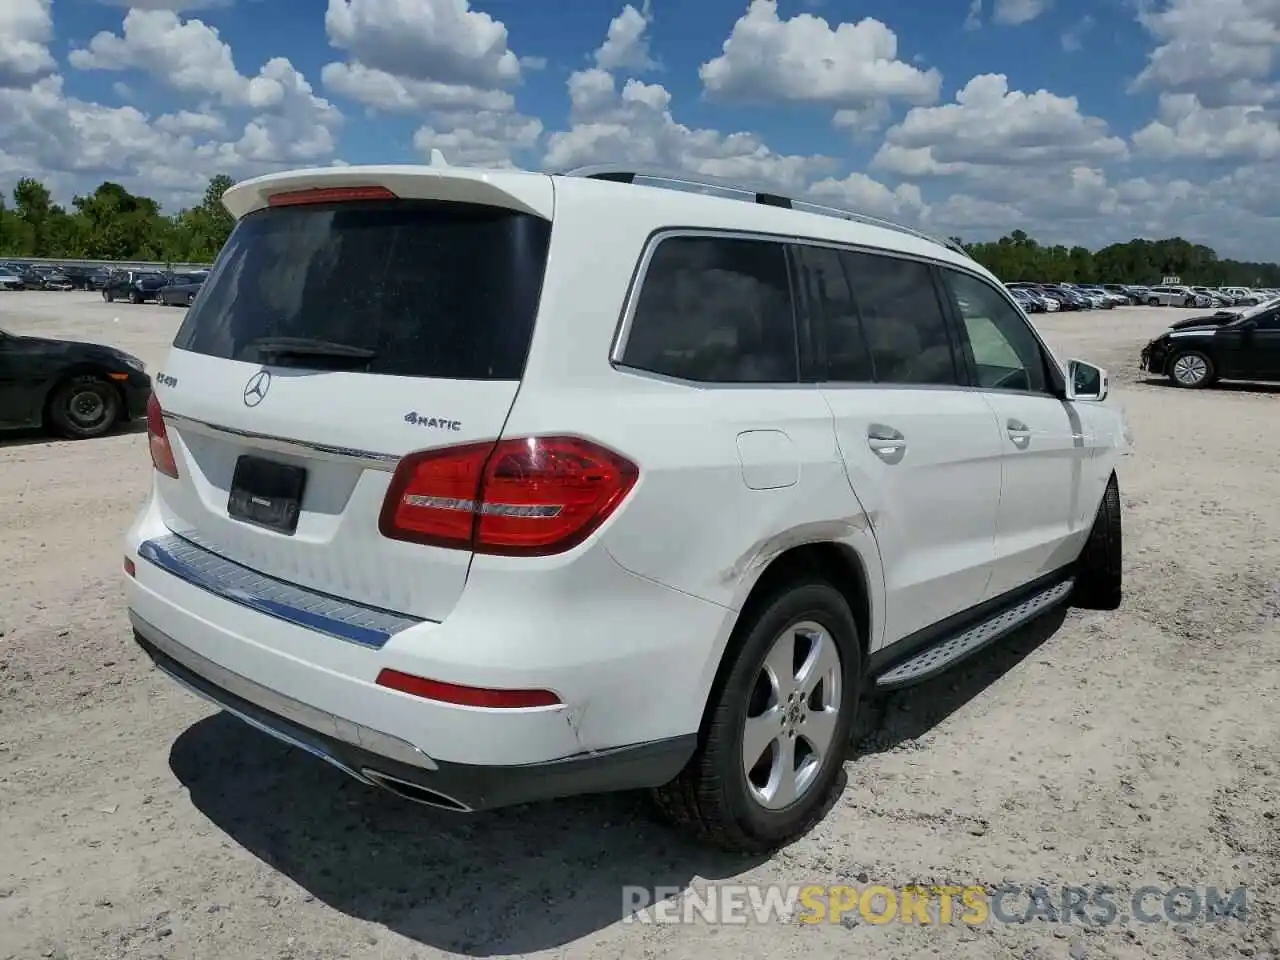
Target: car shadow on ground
33, 436
1231, 386
507, 882
892, 718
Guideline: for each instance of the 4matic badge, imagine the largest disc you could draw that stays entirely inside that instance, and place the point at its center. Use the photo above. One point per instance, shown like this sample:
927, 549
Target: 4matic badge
437, 423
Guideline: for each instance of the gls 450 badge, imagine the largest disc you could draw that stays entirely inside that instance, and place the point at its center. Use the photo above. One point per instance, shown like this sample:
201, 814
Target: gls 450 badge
437, 423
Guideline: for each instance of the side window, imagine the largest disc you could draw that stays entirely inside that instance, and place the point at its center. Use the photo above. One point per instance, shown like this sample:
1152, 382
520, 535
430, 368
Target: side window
715, 310
902, 319
1269, 320
1005, 350
848, 359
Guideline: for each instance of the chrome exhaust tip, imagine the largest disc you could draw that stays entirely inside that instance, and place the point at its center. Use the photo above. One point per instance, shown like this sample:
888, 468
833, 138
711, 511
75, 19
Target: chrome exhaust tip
415, 793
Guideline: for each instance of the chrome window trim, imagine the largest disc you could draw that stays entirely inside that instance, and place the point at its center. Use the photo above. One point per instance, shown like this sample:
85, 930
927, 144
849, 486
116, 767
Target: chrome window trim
365, 458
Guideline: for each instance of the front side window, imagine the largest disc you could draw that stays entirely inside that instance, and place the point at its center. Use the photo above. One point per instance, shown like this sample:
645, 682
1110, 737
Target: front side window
1005, 350
823, 276
715, 310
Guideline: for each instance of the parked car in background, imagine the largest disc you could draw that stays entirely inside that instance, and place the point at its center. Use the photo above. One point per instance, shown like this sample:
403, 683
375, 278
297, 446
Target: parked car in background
136, 286
1070, 298
182, 289
1176, 296
52, 277
79, 390
1244, 347
1120, 290
1216, 298
1111, 299
10, 279
1027, 302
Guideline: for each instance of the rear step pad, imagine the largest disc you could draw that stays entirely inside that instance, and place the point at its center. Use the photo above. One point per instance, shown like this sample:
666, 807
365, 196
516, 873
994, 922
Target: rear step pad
947, 652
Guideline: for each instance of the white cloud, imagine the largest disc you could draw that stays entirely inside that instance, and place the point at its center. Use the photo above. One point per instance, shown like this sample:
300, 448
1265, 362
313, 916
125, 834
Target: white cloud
188, 56
859, 192
627, 45
485, 139
862, 122
1186, 128
438, 40
973, 20
990, 128
634, 125
1073, 37
384, 91
1014, 12
288, 122
190, 122
1221, 50
26, 28
805, 60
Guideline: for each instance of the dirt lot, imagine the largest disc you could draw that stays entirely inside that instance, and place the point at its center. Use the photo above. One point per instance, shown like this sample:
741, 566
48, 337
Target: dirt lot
1124, 749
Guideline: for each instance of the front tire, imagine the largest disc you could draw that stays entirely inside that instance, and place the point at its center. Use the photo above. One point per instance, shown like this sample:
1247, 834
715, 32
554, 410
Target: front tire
1191, 369
84, 407
108, 296
1100, 569
771, 752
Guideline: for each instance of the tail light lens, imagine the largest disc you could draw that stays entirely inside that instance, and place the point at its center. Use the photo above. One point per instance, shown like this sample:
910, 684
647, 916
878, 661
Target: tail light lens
158, 437
528, 497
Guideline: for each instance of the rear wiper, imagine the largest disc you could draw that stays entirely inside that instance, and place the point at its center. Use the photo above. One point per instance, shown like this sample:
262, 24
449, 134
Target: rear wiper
307, 347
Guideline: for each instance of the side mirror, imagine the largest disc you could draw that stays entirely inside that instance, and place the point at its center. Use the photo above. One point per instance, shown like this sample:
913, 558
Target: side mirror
1086, 382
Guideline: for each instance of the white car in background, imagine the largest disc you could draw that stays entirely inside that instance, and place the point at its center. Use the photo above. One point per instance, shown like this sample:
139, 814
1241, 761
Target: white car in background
484, 512
1176, 296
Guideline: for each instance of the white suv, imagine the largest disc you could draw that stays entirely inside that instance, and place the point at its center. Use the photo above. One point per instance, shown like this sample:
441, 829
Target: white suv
490, 487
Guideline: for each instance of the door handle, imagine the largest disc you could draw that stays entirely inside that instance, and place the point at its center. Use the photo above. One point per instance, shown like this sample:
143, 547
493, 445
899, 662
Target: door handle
886, 443
1019, 433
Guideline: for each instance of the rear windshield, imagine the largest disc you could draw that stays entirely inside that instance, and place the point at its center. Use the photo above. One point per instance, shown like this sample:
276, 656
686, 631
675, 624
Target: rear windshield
431, 289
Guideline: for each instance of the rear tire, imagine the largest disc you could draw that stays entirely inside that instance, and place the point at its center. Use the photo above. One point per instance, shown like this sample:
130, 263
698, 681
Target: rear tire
108, 296
1100, 569
135, 296
1152, 302
84, 407
752, 811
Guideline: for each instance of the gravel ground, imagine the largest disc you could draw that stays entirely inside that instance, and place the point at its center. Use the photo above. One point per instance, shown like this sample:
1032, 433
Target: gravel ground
1121, 749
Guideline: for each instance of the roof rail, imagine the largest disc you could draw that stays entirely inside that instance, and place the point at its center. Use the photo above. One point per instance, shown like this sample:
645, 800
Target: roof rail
701, 184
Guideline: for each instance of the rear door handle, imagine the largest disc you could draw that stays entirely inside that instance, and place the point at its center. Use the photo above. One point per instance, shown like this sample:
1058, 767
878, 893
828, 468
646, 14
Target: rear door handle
1019, 433
886, 443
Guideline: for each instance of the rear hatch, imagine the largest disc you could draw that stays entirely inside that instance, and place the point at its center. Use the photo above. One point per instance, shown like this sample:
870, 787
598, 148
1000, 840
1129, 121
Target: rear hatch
333, 337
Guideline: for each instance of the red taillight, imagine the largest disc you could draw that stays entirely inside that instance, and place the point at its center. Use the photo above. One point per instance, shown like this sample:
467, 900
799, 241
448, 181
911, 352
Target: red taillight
465, 696
293, 198
158, 437
527, 497
130, 567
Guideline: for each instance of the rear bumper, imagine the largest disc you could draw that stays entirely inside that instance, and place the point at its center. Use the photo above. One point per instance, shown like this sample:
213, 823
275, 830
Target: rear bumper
379, 759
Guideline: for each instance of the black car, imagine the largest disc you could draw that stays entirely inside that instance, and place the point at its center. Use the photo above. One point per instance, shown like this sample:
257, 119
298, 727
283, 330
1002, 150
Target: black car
136, 286
80, 390
182, 290
51, 277
1243, 347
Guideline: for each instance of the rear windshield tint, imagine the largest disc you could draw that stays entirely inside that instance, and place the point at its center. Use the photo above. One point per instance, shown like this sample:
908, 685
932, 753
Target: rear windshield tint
433, 289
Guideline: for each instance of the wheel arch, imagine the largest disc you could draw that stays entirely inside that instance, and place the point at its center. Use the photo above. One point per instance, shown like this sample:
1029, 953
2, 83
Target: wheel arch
840, 564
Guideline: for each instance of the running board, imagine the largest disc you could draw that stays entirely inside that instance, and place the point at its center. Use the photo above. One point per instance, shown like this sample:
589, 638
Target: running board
945, 653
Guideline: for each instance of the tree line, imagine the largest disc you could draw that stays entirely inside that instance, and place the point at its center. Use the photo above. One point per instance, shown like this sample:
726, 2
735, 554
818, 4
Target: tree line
113, 224
1019, 257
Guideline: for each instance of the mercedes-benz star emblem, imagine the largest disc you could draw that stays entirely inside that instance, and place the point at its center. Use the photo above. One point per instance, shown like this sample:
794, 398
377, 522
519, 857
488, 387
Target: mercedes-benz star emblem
255, 391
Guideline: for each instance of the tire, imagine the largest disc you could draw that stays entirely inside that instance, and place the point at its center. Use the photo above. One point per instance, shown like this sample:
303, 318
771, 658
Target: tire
714, 797
1152, 302
1191, 369
1189, 302
84, 407
135, 296
1100, 569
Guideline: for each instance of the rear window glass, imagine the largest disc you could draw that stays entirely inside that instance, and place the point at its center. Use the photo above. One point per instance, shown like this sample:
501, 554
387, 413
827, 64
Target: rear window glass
428, 289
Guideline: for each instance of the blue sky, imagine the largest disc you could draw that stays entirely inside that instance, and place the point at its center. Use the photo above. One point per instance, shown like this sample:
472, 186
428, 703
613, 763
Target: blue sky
1085, 121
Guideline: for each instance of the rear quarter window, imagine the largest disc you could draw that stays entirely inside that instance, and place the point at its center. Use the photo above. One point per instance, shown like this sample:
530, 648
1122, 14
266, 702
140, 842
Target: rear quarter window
440, 290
